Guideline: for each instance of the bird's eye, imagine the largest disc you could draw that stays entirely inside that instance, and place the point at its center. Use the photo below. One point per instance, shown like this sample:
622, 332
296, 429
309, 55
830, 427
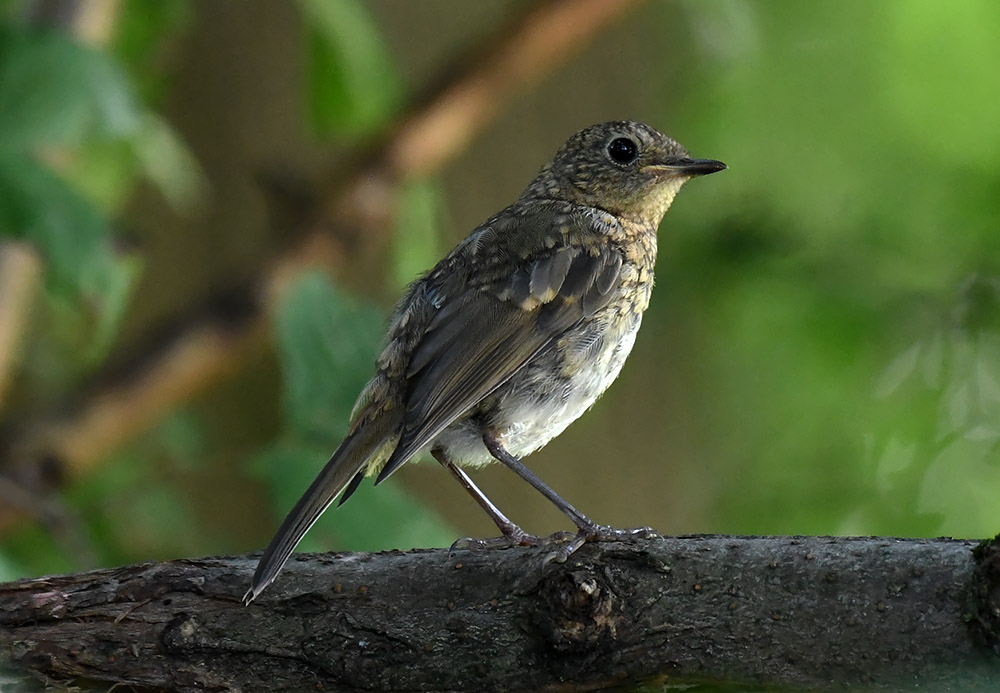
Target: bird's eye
622, 150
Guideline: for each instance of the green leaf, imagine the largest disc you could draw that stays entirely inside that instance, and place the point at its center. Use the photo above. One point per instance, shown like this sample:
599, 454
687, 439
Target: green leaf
353, 85
168, 163
54, 91
73, 236
142, 29
416, 246
327, 345
106, 171
37, 205
109, 289
103, 171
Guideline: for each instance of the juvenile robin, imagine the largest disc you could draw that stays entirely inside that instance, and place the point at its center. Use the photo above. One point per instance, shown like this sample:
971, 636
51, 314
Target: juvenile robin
515, 333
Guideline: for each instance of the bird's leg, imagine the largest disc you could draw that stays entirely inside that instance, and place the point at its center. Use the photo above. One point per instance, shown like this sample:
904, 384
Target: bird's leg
498, 451
588, 529
512, 534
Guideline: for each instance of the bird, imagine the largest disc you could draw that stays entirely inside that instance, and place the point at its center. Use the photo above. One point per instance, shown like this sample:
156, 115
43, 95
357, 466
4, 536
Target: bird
514, 334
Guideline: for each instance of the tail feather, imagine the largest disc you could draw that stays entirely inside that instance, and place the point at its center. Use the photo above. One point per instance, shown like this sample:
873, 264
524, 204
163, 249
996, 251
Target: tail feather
345, 466
351, 488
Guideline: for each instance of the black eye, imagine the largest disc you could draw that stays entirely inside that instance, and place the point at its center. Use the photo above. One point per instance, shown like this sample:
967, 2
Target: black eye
622, 150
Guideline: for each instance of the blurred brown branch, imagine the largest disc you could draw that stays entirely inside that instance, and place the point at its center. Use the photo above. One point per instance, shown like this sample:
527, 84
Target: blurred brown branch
519, 56
91, 21
771, 612
20, 280
357, 203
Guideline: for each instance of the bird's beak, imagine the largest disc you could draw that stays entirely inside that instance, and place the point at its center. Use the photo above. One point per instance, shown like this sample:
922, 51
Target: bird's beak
687, 167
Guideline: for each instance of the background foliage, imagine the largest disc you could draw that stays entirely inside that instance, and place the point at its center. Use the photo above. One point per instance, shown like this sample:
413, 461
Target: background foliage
821, 355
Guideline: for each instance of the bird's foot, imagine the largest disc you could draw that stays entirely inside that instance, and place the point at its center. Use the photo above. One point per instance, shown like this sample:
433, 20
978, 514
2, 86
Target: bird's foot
501, 542
514, 537
597, 532
603, 533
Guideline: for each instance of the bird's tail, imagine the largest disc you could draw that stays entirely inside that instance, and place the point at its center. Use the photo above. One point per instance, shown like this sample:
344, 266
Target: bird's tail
346, 464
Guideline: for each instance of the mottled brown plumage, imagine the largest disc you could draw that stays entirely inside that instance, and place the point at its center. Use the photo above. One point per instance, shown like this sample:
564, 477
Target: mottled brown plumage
516, 332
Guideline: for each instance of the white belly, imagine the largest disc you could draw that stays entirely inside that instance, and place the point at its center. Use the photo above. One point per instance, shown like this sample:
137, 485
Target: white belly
534, 407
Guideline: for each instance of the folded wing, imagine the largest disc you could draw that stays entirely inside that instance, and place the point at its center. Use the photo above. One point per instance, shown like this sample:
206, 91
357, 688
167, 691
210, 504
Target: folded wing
480, 338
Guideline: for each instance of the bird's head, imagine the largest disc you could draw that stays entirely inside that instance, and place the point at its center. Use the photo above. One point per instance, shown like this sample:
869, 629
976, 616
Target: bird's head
623, 167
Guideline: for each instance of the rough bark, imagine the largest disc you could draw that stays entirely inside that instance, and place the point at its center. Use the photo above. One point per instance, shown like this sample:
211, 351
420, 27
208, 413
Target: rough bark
808, 612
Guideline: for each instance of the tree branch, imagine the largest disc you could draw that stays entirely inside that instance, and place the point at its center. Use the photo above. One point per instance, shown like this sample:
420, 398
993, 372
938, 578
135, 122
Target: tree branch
772, 611
20, 281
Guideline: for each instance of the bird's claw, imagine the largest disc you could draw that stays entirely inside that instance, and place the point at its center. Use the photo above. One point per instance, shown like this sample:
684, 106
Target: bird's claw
603, 533
569, 541
597, 533
474, 544
508, 540
504, 541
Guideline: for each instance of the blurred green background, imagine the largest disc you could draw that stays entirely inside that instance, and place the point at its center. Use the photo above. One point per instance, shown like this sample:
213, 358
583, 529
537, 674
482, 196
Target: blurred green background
822, 354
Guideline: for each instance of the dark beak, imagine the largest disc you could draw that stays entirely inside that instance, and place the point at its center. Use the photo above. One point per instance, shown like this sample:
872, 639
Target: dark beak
687, 167
697, 167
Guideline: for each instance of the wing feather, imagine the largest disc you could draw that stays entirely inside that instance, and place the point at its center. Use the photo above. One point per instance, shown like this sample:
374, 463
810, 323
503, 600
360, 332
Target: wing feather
479, 339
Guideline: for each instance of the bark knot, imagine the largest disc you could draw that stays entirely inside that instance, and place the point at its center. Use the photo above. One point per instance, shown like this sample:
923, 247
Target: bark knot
986, 593
579, 612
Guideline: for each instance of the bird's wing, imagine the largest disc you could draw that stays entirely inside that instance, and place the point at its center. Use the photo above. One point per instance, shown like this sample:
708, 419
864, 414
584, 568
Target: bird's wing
481, 337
